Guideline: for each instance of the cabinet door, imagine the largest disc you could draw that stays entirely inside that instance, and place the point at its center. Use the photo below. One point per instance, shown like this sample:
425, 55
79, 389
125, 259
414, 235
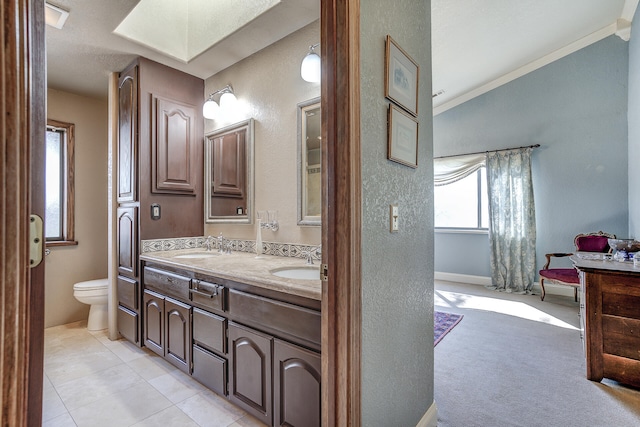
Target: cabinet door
174, 148
228, 162
178, 334
127, 135
250, 377
153, 315
127, 223
296, 388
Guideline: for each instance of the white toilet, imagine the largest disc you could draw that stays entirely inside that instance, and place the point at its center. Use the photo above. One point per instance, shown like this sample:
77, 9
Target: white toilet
94, 293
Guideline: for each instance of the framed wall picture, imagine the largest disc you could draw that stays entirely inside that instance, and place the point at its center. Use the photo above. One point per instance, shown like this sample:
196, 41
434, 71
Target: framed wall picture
401, 74
402, 145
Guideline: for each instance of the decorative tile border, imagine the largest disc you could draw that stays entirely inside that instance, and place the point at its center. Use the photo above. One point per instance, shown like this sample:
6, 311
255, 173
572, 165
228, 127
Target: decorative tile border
294, 250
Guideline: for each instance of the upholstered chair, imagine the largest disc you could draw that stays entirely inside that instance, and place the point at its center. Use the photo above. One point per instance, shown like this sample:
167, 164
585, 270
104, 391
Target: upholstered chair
590, 242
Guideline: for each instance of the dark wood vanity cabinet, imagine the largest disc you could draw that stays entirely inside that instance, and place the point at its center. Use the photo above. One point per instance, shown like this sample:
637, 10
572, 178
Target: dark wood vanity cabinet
159, 163
260, 352
251, 371
167, 329
297, 379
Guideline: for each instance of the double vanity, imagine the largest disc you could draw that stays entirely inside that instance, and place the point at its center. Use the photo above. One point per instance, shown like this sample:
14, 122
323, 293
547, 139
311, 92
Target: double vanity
248, 328
238, 327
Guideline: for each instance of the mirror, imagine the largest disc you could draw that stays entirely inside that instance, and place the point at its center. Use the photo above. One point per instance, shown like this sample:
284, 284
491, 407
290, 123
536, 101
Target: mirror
309, 160
228, 174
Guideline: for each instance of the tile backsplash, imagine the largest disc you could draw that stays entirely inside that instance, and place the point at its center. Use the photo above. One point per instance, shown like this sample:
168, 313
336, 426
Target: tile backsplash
294, 250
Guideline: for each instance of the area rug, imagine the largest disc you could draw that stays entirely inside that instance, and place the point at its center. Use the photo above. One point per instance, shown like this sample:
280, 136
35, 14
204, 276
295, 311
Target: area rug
443, 323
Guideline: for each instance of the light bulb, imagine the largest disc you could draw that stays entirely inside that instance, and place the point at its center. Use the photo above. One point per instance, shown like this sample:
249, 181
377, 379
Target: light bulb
310, 68
228, 100
210, 109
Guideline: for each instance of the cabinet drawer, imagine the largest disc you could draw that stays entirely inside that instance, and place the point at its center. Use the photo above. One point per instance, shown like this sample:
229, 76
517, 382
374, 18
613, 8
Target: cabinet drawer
128, 324
128, 292
210, 331
167, 282
210, 370
288, 321
208, 295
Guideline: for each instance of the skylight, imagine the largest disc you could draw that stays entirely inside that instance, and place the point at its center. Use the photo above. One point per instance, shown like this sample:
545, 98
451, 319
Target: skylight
183, 30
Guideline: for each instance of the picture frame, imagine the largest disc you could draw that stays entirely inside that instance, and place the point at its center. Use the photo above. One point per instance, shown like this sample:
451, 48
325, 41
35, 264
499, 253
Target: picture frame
401, 77
402, 146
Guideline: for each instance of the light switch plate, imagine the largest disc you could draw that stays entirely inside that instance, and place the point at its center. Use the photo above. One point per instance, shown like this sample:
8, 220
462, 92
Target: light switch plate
393, 218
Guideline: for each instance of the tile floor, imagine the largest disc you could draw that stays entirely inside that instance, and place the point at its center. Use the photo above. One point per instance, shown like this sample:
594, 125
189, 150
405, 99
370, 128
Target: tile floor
92, 381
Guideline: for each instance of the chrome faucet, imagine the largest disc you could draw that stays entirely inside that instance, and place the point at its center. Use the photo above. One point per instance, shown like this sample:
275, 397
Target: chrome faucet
224, 245
221, 243
208, 243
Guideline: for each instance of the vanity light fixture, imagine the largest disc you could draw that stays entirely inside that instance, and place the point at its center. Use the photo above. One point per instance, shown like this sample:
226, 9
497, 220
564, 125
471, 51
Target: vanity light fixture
310, 68
227, 101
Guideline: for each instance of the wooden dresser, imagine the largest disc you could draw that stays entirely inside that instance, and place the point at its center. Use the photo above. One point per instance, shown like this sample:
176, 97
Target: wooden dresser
610, 319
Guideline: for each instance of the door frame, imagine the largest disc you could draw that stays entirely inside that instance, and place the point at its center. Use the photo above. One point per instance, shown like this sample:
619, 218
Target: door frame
23, 116
341, 212
24, 119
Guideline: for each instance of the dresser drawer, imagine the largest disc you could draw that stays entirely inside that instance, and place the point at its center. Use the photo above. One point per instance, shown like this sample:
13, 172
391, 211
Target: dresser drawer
210, 331
210, 370
128, 292
128, 324
208, 295
291, 322
167, 283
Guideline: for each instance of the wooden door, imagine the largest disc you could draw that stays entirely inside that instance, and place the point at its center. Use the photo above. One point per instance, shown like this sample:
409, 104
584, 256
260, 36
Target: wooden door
153, 315
128, 135
250, 377
22, 112
296, 385
177, 349
127, 229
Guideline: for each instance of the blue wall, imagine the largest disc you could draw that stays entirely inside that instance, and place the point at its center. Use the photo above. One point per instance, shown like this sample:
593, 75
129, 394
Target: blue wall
576, 109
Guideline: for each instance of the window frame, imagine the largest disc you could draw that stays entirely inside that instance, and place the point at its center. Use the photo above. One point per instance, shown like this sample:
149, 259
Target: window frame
68, 187
470, 230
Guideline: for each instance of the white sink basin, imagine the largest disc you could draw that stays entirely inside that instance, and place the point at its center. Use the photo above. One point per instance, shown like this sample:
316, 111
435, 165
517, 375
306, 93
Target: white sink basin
298, 273
198, 255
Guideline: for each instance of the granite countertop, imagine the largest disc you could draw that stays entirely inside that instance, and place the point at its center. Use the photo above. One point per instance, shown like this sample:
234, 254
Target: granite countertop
590, 260
242, 267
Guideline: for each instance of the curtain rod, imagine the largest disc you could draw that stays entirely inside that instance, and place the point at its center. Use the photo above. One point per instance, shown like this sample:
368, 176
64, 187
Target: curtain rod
489, 151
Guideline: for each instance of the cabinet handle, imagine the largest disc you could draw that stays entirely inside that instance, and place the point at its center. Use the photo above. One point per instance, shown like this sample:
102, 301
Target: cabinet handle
204, 294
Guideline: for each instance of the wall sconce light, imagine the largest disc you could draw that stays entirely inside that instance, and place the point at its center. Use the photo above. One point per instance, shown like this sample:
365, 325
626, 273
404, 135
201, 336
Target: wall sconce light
310, 68
227, 101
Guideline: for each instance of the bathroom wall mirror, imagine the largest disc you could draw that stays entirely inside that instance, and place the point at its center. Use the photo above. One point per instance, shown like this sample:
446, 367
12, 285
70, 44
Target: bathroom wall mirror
309, 160
229, 174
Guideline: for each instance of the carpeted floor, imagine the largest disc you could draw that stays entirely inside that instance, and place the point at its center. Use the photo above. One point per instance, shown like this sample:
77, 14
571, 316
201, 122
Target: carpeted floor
443, 323
518, 361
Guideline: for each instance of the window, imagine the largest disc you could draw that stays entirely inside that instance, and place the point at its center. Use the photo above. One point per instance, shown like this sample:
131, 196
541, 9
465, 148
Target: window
59, 188
463, 204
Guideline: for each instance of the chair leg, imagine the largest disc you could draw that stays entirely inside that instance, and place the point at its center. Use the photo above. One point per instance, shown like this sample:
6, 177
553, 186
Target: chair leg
542, 286
575, 294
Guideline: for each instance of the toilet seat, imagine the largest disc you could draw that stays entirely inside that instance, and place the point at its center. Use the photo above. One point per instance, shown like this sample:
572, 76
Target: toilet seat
92, 285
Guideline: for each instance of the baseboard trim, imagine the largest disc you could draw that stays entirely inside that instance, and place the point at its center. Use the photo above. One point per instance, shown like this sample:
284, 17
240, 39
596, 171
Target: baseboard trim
462, 278
430, 418
550, 289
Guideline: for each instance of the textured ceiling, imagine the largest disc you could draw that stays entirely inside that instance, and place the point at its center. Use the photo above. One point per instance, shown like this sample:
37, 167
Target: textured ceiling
82, 54
477, 45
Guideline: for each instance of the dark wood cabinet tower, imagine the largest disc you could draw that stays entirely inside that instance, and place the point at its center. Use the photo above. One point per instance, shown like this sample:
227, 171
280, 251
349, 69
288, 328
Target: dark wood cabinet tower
159, 164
